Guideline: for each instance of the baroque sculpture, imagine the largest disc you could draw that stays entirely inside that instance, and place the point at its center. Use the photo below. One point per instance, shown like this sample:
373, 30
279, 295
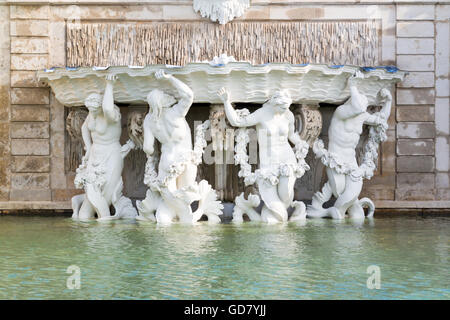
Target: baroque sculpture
173, 188
345, 176
279, 164
222, 11
100, 173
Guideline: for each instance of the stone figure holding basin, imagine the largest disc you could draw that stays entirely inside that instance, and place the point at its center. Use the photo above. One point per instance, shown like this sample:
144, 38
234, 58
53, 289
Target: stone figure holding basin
100, 173
279, 164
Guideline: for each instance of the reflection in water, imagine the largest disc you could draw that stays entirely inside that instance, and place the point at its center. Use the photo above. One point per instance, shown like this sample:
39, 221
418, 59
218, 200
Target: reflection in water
313, 259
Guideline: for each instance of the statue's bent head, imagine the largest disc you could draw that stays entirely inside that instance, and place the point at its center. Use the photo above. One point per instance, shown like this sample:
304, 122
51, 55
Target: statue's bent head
158, 99
93, 102
359, 103
281, 99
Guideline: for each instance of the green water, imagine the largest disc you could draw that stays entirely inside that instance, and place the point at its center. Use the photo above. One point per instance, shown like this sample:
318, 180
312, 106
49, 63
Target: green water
317, 259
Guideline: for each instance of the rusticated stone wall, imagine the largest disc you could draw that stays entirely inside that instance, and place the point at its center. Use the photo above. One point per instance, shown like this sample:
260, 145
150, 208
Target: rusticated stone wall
177, 43
422, 132
414, 161
5, 159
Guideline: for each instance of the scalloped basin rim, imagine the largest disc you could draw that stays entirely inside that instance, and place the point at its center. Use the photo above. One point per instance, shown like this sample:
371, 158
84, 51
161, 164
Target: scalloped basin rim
311, 83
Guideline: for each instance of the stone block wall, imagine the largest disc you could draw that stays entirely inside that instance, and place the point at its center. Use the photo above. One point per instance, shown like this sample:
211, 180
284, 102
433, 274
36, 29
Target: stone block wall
423, 102
30, 153
414, 35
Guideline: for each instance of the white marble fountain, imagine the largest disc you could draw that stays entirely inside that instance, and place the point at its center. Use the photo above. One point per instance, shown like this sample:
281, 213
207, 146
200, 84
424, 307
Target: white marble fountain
170, 174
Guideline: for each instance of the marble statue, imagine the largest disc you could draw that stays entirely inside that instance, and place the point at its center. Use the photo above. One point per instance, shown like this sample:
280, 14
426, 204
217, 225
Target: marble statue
222, 11
345, 176
279, 164
173, 187
100, 173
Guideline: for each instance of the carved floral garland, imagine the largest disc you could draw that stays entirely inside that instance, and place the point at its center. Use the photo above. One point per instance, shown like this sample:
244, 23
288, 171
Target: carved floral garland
95, 175
377, 134
272, 174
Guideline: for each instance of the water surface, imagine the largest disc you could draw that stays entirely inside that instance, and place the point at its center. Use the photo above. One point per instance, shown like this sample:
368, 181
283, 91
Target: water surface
316, 259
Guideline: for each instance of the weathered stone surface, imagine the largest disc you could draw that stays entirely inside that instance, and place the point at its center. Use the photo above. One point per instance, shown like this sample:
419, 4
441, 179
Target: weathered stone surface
442, 109
388, 154
443, 194
30, 96
28, 62
29, 12
442, 87
442, 153
4, 173
21, 181
64, 194
415, 46
415, 62
415, 164
25, 79
415, 96
442, 49
378, 193
4, 195
415, 29
57, 48
30, 130
418, 80
415, 130
4, 149
415, 113
30, 195
415, 147
442, 180
442, 12
410, 195
29, 45
381, 181
4, 63
28, 164
415, 12
114, 12
30, 113
70, 178
183, 12
4, 102
57, 173
415, 186
415, 181
283, 13
29, 28
256, 13
4, 131
34, 147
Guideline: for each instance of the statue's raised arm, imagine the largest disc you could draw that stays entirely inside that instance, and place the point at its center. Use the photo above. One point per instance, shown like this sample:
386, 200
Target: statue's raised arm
109, 109
232, 116
185, 93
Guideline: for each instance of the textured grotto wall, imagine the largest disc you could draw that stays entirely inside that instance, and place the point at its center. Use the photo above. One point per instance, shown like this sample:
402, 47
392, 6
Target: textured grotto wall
177, 43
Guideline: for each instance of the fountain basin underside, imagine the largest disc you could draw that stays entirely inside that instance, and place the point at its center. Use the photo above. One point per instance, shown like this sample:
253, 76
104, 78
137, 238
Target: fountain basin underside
246, 83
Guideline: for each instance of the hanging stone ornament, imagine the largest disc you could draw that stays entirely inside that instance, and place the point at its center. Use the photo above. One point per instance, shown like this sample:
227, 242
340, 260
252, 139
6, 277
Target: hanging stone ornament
222, 11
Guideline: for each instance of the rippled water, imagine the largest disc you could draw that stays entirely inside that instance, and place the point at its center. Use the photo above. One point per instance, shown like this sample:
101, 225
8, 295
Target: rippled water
317, 259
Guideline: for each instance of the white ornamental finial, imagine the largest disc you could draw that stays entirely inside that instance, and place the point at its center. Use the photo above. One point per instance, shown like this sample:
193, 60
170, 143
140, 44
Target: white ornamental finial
222, 11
